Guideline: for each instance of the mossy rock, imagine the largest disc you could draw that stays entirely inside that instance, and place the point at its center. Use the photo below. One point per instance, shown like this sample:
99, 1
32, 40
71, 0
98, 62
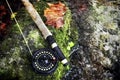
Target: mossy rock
15, 58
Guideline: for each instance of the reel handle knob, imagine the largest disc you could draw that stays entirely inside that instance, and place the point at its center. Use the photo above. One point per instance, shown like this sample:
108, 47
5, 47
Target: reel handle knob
56, 48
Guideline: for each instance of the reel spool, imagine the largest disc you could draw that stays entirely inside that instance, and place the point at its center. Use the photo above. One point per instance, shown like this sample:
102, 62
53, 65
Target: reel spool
45, 61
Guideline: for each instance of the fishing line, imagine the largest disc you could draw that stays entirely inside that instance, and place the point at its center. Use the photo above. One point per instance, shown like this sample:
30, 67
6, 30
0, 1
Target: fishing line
19, 27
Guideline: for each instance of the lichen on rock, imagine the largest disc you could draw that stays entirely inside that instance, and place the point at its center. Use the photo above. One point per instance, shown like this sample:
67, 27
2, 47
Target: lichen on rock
98, 42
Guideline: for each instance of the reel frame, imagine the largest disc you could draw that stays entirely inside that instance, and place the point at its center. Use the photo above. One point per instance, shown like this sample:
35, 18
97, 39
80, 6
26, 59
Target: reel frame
44, 61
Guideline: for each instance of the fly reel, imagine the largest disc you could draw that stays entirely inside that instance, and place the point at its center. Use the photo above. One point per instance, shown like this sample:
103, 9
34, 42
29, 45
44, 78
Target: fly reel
44, 61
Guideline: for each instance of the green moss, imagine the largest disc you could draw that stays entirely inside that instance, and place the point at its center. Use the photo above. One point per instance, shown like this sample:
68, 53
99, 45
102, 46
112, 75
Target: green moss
36, 37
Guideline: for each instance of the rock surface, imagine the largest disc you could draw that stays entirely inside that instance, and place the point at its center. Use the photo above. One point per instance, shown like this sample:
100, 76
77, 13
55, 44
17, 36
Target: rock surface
94, 29
98, 46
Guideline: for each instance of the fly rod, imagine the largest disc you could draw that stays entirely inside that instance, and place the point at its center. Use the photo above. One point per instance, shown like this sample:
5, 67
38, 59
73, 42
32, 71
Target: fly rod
44, 59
